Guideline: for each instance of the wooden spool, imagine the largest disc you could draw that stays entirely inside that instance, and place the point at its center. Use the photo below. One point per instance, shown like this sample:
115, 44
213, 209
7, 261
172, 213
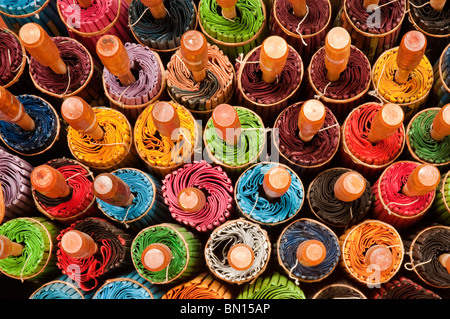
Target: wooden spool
49, 182
11, 110
112, 190
410, 53
78, 244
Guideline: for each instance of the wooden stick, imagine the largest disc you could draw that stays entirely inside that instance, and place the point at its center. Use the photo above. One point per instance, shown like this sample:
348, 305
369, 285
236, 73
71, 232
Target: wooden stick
11, 110
441, 124
226, 123
380, 256
156, 257
410, 53
114, 57
49, 182
276, 182
386, 122
78, 244
9, 248
310, 120
166, 119
41, 47
367, 3
156, 7
337, 52
112, 190
80, 116
272, 59
299, 7
191, 199
349, 186
240, 257
228, 8
311, 253
438, 5
194, 51
422, 180
85, 3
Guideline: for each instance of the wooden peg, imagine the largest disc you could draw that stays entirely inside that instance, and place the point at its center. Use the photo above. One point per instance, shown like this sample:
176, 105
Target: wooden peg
228, 8
165, 117
114, 57
156, 257
81, 117
226, 123
276, 182
444, 260
41, 47
49, 182
9, 248
191, 199
386, 122
368, 3
299, 7
112, 190
78, 244
438, 5
194, 51
311, 253
272, 57
156, 7
337, 52
349, 186
380, 256
310, 119
441, 124
85, 3
240, 257
422, 180
11, 110
409, 54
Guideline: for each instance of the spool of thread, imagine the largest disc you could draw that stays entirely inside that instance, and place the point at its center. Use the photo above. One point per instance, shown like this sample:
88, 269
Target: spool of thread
241, 257
165, 118
194, 51
310, 120
156, 257
311, 253
341, 290
403, 288
49, 181
112, 190
441, 124
299, 7
277, 181
386, 122
422, 180
156, 7
80, 115
228, 8
78, 244
410, 53
226, 123
337, 52
11, 110
272, 59
114, 57
191, 199
41, 47
349, 186
9, 248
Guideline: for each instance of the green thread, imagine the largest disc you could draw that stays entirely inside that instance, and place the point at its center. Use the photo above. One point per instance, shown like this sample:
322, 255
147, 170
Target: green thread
276, 286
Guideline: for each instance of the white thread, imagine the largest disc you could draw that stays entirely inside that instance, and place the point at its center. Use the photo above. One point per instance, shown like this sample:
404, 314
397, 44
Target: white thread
418, 7
290, 273
132, 25
68, 84
374, 93
385, 4
407, 265
298, 27
126, 215
318, 96
254, 206
328, 127
23, 268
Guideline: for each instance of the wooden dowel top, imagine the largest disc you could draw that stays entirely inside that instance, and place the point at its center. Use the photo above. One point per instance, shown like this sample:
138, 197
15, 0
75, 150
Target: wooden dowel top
349, 186
422, 180
410, 53
228, 8
386, 122
438, 5
311, 253
156, 7
194, 50
156, 257
311, 118
191, 199
241, 257
444, 260
337, 52
114, 57
367, 3
78, 244
81, 117
41, 47
165, 118
11, 110
49, 182
112, 190
379, 257
226, 123
9, 248
85, 3
276, 182
273, 56
299, 7
441, 124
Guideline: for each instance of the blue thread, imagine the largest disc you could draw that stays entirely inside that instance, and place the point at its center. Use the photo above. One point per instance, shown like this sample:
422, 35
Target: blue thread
255, 206
37, 140
59, 290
